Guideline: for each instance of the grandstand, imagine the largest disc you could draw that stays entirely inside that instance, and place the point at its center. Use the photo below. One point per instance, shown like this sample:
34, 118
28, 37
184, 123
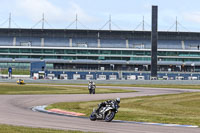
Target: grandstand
99, 52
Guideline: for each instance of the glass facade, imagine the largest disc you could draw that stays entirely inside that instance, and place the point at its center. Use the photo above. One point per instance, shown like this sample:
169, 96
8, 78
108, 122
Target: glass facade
56, 57
15, 65
100, 54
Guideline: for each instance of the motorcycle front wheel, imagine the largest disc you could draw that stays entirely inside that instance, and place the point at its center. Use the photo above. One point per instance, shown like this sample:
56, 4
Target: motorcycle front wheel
93, 117
110, 116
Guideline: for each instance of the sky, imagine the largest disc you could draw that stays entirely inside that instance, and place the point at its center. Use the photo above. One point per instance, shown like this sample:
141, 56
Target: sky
94, 14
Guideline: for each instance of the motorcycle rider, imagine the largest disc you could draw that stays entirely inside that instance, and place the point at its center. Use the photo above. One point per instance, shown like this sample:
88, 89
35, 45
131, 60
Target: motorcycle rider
91, 86
103, 104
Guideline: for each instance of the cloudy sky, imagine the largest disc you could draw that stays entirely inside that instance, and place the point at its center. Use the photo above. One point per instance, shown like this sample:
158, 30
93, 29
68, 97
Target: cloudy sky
93, 14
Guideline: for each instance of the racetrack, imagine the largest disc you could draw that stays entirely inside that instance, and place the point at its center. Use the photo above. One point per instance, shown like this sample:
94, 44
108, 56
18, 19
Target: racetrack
16, 110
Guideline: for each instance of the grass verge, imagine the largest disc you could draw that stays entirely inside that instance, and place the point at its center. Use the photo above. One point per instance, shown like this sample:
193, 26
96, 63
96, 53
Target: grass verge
173, 109
34, 89
141, 85
16, 71
20, 129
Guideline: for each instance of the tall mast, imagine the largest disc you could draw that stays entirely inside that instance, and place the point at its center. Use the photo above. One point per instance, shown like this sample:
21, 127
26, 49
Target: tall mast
176, 24
143, 24
76, 21
110, 23
43, 21
9, 26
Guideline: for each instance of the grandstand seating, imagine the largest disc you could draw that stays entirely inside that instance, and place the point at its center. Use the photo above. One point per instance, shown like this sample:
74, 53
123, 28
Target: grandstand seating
140, 44
6, 41
104, 42
56, 42
25, 41
88, 42
113, 43
172, 44
192, 44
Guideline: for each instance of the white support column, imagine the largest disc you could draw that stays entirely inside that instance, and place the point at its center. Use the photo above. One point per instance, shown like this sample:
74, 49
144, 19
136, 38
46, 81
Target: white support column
99, 43
127, 43
14, 41
42, 42
70, 42
183, 44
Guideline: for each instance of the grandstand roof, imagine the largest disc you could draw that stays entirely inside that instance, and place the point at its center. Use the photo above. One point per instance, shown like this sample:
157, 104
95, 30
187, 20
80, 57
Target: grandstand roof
98, 33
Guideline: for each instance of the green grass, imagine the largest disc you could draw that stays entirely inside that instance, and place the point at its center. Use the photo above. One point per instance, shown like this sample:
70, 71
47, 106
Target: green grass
143, 85
16, 71
173, 109
20, 129
37, 89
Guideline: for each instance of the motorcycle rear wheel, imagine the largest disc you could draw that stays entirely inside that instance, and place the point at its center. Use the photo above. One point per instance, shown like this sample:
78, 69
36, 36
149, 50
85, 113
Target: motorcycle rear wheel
110, 116
93, 91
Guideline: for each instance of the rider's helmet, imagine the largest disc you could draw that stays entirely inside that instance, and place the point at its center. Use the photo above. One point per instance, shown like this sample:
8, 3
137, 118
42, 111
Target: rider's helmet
90, 81
117, 100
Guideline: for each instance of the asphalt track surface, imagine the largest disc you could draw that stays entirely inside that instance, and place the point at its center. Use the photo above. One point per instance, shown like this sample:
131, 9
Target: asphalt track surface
16, 110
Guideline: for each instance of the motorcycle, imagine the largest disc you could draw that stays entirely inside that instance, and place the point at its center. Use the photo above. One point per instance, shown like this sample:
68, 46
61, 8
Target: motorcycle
20, 82
91, 88
106, 113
